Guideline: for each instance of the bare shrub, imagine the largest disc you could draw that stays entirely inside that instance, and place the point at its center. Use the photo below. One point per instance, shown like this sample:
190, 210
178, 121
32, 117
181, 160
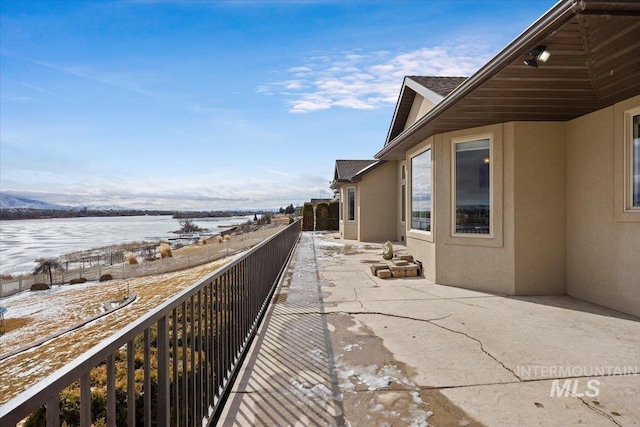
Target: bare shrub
220, 239
130, 259
165, 251
40, 287
106, 277
77, 281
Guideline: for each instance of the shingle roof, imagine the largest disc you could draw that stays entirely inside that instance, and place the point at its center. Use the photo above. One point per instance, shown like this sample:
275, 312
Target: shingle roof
347, 169
441, 85
599, 70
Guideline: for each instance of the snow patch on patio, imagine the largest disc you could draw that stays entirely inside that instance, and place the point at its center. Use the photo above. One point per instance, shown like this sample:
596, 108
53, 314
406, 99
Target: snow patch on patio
350, 347
329, 245
370, 378
318, 394
373, 377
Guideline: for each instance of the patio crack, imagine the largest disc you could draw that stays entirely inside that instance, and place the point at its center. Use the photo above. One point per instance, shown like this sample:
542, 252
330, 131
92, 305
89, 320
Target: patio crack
599, 411
432, 322
357, 299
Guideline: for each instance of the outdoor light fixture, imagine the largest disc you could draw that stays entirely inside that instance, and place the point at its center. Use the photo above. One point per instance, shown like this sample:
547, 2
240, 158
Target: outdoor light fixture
539, 53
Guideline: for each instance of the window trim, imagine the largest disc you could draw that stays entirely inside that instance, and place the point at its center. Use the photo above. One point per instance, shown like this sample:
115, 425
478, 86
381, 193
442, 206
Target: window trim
403, 195
355, 205
492, 179
623, 113
409, 212
628, 160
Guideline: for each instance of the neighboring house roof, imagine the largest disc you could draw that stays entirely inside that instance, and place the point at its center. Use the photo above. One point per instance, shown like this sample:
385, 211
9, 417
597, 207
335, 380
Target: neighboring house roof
433, 88
316, 201
352, 170
594, 63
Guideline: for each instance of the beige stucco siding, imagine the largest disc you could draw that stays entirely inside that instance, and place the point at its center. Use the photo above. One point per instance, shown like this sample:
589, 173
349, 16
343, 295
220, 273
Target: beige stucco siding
603, 252
476, 263
419, 108
540, 207
377, 202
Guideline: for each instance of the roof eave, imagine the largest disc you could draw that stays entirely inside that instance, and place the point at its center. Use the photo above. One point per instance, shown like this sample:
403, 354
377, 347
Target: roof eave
556, 16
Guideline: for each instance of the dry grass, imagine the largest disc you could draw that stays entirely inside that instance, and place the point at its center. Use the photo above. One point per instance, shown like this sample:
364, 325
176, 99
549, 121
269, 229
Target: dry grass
76, 303
131, 259
12, 324
165, 251
27, 368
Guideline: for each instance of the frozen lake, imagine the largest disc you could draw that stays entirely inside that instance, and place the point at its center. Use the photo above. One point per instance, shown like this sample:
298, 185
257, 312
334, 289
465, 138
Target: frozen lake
24, 241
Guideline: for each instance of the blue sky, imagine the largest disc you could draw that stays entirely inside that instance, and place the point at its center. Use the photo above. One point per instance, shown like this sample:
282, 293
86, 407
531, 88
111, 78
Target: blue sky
218, 105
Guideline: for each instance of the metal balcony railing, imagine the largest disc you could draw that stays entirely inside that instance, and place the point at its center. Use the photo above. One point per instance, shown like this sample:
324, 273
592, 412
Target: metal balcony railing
175, 365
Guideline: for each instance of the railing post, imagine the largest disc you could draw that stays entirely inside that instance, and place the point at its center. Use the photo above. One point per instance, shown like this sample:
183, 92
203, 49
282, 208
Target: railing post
175, 404
85, 400
53, 411
185, 379
111, 390
163, 372
131, 385
147, 379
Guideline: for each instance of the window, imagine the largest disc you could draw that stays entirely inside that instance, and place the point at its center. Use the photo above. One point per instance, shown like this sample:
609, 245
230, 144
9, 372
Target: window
472, 195
340, 214
404, 202
351, 204
635, 161
403, 192
421, 191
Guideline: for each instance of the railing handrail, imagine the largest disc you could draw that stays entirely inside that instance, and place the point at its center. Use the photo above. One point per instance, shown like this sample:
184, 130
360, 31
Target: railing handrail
33, 397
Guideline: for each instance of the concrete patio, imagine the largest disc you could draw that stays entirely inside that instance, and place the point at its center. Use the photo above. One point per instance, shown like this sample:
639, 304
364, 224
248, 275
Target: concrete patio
339, 346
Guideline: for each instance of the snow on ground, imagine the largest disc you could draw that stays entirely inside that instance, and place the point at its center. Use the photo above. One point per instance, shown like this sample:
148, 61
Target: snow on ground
325, 244
64, 306
61, 307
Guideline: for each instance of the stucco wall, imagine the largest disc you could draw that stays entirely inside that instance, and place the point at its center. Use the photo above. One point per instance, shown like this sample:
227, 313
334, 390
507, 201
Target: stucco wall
471, 262
603, 249
377, 202
419, 108
540, 207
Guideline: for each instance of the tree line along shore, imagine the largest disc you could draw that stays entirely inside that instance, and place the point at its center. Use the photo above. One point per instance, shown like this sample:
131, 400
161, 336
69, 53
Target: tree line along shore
30, 213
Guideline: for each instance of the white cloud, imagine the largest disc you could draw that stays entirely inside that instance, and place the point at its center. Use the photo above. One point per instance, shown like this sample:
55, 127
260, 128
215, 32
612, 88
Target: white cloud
310, 102
264, 90
294, 85
367, 80
299, 70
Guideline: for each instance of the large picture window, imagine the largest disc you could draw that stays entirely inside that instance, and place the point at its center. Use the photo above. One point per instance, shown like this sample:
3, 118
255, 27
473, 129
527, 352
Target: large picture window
472, 186
635, 161
351, 204
421, 191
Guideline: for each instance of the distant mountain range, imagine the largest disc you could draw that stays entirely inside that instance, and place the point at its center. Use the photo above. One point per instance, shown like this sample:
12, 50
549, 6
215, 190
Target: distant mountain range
18, 202
15, 202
